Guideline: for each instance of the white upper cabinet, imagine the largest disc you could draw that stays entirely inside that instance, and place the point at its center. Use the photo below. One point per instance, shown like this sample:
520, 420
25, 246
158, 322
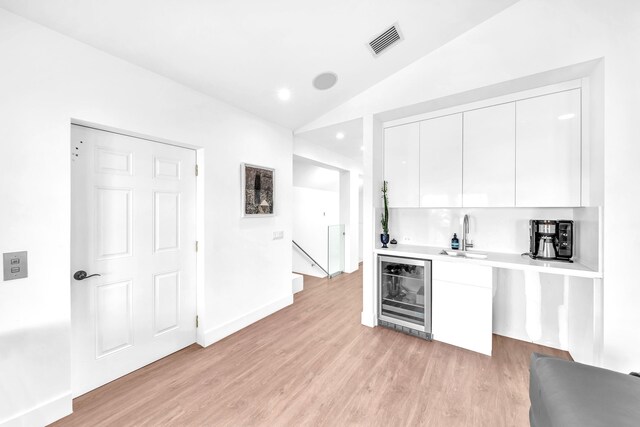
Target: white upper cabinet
441, 162
401, 164
521, 153
548, 150
489, 157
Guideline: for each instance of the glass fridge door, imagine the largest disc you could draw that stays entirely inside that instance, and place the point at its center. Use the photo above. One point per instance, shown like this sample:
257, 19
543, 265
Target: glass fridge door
405, 297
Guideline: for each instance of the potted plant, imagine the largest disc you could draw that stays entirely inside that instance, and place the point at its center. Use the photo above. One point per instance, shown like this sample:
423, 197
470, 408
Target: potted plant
384, 237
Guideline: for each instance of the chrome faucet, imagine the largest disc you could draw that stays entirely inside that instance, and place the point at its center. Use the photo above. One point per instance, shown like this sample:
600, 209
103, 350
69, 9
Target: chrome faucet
466, 243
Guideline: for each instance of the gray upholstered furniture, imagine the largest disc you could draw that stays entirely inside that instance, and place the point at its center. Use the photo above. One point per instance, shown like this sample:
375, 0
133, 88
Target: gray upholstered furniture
570, 394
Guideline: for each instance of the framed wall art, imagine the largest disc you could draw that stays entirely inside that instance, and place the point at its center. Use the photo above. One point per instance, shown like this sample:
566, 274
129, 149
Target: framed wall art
257, 190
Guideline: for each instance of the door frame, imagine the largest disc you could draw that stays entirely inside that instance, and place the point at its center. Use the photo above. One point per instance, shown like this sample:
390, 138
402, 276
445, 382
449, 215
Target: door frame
200, 236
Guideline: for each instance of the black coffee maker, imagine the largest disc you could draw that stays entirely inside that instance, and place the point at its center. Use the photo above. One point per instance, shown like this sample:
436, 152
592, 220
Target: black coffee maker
551, 239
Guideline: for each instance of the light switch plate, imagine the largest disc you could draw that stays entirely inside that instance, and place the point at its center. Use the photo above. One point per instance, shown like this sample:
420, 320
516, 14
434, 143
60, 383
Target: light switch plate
15, 265
277, 235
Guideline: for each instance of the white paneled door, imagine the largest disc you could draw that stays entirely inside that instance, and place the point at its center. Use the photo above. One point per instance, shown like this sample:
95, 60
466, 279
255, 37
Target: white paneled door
133, 222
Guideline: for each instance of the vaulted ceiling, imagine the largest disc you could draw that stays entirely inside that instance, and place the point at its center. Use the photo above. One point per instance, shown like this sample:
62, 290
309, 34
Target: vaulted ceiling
244, 51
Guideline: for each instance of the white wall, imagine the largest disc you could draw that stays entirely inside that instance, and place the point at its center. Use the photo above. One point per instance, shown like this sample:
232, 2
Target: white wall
530, 37
350, 212
313, 212
45, 81
548, 309
316, 206
593, 105
531, 306
360, 224
371, 200
350, 215
308, 150
311, 175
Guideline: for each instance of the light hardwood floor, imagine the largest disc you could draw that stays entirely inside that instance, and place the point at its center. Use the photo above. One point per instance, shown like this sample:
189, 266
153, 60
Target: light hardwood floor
313, 363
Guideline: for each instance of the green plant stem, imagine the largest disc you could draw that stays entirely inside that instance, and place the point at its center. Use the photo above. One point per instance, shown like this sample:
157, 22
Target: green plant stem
384, 220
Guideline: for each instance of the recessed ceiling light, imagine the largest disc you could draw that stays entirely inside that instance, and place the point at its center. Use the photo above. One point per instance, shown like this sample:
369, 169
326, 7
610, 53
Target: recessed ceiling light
284, 94
566, 116
362, 147
325, 81
340, 135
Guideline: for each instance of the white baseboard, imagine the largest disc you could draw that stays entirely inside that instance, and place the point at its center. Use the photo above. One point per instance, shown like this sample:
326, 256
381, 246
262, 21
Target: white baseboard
525, 338
297, 282
216, 334
43, 414
367, 319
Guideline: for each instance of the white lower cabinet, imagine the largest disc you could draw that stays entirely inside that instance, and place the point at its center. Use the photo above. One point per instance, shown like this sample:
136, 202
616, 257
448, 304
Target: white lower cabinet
462, 304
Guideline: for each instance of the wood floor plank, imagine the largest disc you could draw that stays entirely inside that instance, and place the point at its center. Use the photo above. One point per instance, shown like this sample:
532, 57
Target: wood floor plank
314, 364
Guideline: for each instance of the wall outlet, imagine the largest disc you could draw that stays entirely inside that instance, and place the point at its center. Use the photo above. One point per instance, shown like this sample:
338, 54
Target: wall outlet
277, 235
406, 239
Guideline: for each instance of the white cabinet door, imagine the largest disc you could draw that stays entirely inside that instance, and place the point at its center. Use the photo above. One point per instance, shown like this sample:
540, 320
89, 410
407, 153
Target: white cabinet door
462, 304
441, 162
401, 164
548, 148
489, 157
462, 316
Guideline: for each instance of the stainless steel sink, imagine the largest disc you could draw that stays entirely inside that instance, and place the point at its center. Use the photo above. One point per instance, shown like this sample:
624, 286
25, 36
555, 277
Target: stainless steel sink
464, 254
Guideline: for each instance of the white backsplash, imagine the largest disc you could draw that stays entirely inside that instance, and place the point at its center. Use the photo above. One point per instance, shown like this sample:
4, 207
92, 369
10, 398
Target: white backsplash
491, 229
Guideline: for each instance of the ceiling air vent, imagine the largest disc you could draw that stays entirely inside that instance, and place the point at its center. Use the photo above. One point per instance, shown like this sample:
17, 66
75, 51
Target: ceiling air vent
383, 41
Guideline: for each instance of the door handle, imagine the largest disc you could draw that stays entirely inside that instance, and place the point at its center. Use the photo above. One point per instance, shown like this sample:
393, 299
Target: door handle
81, 275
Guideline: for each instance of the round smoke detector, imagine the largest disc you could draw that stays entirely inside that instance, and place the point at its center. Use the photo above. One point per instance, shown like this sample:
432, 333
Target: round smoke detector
325, 81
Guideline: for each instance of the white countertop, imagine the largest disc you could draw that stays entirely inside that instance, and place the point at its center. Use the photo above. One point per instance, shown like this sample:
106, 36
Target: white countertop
494, 259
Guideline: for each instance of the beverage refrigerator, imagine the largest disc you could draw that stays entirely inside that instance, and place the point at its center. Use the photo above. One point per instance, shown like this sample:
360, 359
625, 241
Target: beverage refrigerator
404, 295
